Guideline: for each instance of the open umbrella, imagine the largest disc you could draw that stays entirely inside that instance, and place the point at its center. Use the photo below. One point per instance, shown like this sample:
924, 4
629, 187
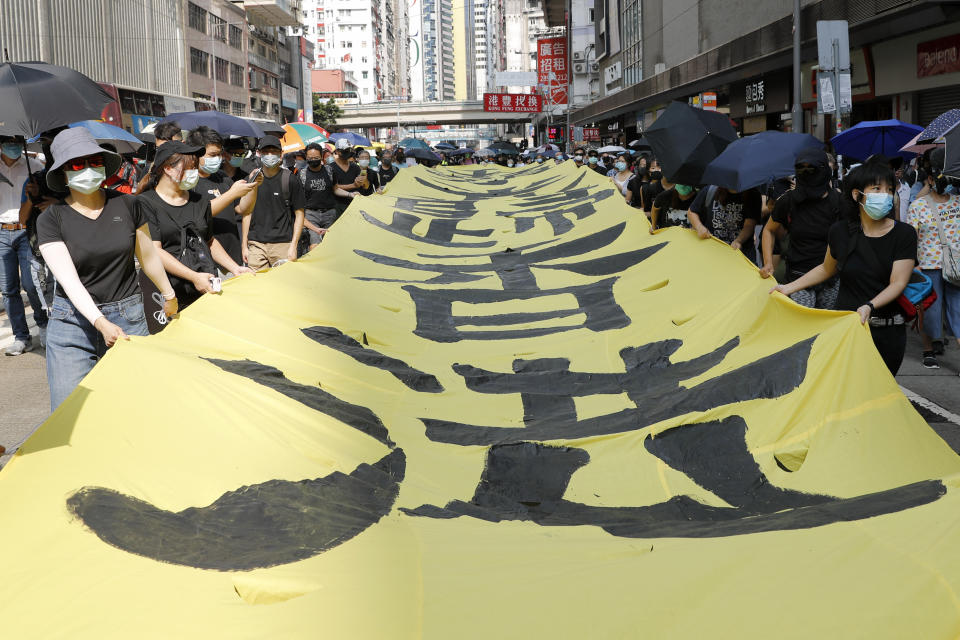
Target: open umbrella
36, 97
547, 146
937, 129
640, 144
685, 140
611, 148
103, 133
297, 135
223, 123
422, 154
757, 159
504, 147
355, 139
915, 147
461, 152
413, 143
951, 161
444, 146
484, 153
268, 126
871, 137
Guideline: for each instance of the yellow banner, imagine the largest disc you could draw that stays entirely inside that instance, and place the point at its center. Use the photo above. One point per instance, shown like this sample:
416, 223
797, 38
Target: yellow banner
491, 404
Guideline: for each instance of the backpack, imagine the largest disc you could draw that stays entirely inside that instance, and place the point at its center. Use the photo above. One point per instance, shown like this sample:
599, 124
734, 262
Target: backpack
303, 242
194, 254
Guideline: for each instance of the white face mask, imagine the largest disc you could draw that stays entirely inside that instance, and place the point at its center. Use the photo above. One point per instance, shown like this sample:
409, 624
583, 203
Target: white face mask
190, 179
87, 180
211, 165
270, 160
363, 163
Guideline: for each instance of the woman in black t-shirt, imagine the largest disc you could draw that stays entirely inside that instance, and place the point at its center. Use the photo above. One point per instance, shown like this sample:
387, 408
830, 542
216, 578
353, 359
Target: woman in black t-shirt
874, 255
181, 223
89, 240
670, 207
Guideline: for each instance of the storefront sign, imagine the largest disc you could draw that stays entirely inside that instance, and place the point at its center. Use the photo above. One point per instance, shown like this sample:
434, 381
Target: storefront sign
288, 96
710, 100
758, 96
552, 68
938, 56
512, 102
755, 97
591, 134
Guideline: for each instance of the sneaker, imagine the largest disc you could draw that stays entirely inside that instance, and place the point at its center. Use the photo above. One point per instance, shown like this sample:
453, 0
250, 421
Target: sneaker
938, 347
42, 336
929, 361
19, 347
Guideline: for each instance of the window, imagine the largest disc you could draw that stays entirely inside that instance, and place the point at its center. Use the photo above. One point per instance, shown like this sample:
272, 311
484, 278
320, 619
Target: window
236, 75
253, 103
198, 18
222, 69
348, 45
273, 83
223, 105
236, 37
363, 59
199, 62
238, 109
364, 75
276, 108
218, 28
263, 106
366, 91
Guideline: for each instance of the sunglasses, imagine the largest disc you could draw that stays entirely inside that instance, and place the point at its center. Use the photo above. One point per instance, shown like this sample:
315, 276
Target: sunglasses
79, 164
238, 154
806, 170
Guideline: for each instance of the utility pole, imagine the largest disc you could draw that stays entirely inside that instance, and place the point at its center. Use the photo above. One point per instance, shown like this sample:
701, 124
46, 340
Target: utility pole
797, 111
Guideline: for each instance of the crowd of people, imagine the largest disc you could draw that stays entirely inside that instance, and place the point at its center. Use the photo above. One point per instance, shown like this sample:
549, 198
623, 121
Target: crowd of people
130, 243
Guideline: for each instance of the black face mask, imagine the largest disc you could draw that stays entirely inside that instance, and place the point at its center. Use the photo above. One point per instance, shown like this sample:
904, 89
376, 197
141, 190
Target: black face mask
812, 184
656, 175
386, 162
314, 163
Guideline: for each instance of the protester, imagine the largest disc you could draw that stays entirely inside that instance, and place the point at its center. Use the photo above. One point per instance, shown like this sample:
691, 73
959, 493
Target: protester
167, 131
649, 192
621, 173
346, 175
727, 215
807, 212
89, 241
634, 187
578, 158
593, 159
874, 255
17, 262
230, 198
670, 207
125, 179
271, 231
386, 172
936, 218
366, 175
319, 192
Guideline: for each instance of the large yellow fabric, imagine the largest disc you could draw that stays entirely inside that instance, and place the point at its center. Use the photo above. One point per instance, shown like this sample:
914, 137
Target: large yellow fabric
161, 422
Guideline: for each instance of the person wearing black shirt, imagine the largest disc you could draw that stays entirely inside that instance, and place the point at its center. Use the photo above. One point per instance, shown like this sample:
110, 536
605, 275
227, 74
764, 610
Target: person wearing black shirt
346, 175
670, 207
366, 174
728, 216
178, 215
649, 191
593, 160
272, 230
386, 172
89, 240
874, 255
229, 198
807, 213
319, 192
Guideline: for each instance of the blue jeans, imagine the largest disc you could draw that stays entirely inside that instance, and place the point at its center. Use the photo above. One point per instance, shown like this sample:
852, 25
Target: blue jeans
948, 300
74, 346
17, 264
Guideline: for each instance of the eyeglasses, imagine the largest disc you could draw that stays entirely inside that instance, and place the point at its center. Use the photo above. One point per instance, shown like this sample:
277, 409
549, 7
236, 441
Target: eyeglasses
78, 164
806, 170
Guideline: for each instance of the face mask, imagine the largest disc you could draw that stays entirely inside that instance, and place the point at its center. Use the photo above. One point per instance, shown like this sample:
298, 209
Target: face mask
509, 164
578, 158
235, 161
656, 175
313, 163
621, 166
270, 160
373, 163
683, 190
593, 160
87, 180
877, 205
329, 159
190, 179
12, 150
363, 163
211, 165
386, 162
539, 160
300, 164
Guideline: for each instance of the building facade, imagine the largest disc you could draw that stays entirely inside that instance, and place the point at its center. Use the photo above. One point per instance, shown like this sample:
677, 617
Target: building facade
431, 51
215, 44
348, 36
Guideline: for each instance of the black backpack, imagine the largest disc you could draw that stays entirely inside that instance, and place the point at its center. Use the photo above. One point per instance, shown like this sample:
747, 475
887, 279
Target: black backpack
194, 254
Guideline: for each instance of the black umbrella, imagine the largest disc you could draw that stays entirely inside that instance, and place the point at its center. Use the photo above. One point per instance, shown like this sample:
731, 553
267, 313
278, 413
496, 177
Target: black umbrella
504, 147
461, 152
685, 140
640, 144
223, 123
951, 162
36, 97
423, 154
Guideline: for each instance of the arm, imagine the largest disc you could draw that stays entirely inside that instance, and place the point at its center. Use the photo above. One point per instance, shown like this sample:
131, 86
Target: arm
244, 234
769, 231
749, 225
57, 257
239, 189
628, 196
899, 278
224, 260
176, 268
654, 216
815, 276
342, 193
694, 220
152, 266
297, 230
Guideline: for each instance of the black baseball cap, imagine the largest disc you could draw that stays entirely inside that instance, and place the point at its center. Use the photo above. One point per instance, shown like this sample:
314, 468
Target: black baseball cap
269, 141
171, 147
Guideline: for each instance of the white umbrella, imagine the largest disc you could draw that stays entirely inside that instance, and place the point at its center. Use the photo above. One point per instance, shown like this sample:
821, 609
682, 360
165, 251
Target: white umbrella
612, 149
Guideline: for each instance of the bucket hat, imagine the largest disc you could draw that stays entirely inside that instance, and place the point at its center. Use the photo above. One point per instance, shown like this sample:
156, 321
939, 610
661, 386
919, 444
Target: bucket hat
77, 143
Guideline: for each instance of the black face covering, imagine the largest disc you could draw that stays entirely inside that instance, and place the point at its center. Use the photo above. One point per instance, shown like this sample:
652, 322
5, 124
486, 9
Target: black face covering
816, 184
656, 175
315, 162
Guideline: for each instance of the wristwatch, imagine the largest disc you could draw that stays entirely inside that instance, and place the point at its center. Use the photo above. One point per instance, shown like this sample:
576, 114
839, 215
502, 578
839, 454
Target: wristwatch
873, 309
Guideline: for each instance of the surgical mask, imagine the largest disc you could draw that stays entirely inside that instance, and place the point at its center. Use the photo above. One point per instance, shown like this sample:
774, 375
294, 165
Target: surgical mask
683, 190
877, 205
87, 180
386, 162
300, 164
315, 162
211, 165
373, 163
621, 166
539, 160
578, 158
12, 150
330, 159
363, 163
235, 161
190, 179
509, 164
593, 160
270, 160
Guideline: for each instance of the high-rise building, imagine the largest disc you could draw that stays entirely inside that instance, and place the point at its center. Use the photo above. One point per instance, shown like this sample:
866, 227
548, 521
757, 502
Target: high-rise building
489, 43
523, 24
465, 66
431, 50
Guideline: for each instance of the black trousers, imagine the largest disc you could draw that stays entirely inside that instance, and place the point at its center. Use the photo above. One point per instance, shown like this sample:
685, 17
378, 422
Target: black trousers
891, 342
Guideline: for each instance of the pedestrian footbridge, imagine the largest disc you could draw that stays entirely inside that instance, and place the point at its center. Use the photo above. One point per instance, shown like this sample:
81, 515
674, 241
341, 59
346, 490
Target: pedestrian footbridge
387, 114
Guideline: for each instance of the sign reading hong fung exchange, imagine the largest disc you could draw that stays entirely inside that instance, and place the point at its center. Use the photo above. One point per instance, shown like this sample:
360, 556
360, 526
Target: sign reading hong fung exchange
513, 102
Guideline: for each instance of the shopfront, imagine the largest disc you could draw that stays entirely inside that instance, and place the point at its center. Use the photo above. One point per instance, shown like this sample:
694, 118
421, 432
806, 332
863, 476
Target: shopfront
758, 104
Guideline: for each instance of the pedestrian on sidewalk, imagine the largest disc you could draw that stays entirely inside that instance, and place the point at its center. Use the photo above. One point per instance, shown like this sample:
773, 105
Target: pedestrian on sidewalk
89, 241
17, 262
936, 217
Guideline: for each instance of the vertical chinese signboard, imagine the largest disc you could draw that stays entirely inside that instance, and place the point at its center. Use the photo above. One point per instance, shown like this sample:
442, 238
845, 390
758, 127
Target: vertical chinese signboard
552, 69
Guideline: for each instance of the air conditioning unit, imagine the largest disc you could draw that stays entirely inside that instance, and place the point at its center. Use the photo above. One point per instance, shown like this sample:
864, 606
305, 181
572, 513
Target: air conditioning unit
594, 67
579, 68
578, 56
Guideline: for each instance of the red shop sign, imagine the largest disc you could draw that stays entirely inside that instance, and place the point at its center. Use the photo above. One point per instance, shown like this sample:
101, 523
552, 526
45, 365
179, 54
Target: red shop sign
512, 102
938, 56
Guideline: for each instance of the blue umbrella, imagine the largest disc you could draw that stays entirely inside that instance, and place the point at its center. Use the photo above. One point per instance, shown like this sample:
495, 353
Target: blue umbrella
937, 129
413, 143
355, 139
461, 152
871, 137
758, 159
124, 141
444, 145
223, 123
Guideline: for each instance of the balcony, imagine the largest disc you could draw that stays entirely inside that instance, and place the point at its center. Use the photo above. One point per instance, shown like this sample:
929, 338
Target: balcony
263, 63
276, 13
